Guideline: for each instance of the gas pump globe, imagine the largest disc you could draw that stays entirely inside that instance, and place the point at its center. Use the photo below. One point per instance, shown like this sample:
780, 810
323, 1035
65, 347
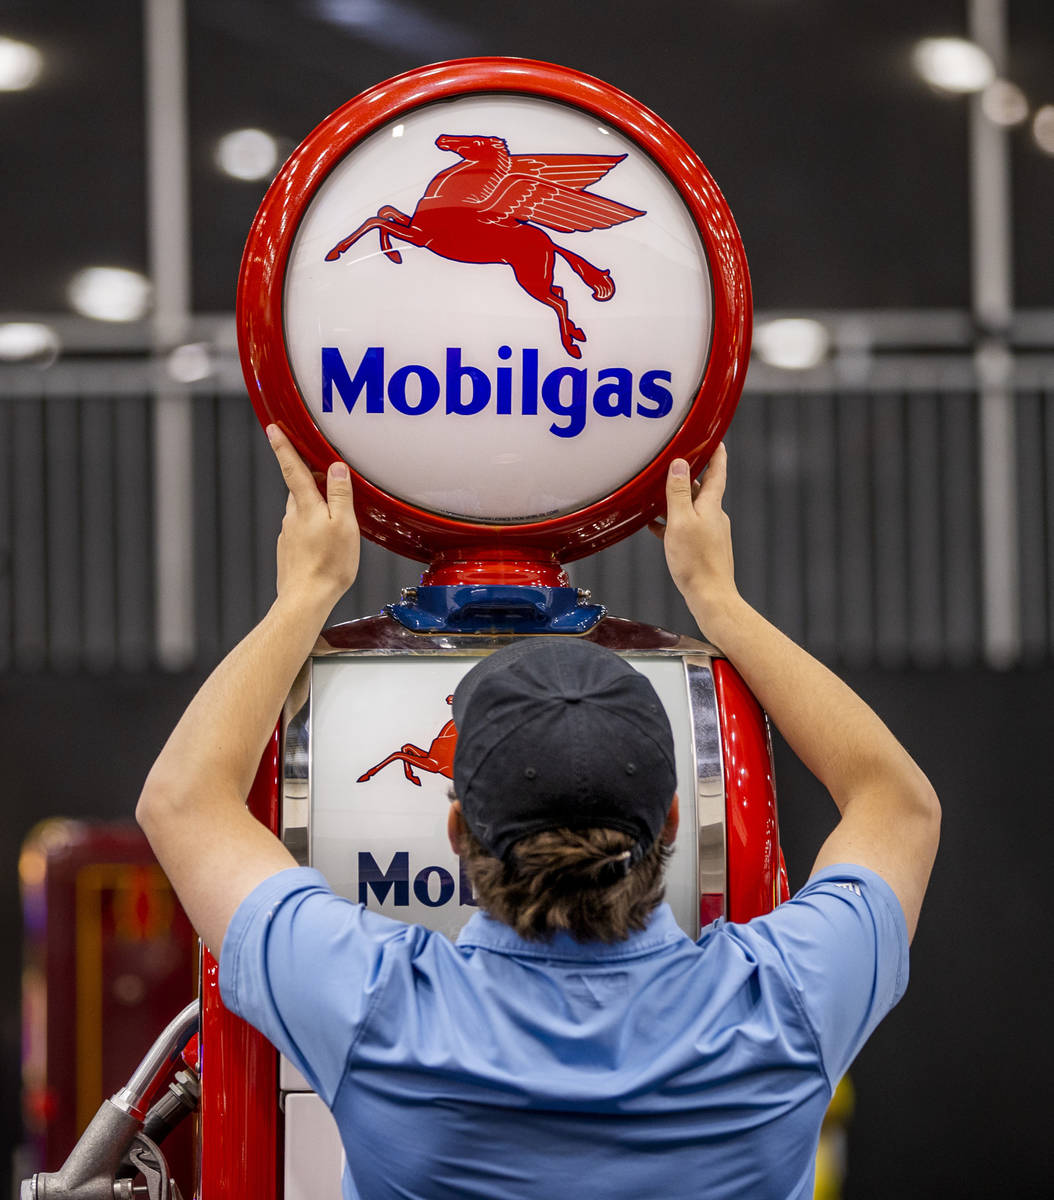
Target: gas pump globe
507, 295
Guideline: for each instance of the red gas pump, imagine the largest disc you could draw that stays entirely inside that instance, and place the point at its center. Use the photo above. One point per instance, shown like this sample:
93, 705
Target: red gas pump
499, 423
422, 294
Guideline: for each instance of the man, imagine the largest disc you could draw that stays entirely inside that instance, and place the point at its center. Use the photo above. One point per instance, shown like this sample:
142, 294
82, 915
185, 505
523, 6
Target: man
574, 1041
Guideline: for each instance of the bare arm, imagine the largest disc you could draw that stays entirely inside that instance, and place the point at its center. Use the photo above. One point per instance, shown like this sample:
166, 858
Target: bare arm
192, 807
890, 817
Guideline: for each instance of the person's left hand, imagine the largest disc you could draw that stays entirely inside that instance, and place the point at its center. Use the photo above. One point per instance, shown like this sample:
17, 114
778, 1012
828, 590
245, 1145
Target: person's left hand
318, 548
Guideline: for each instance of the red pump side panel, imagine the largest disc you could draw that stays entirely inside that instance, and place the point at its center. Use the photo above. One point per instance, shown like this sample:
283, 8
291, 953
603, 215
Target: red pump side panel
240, 1143
755, 862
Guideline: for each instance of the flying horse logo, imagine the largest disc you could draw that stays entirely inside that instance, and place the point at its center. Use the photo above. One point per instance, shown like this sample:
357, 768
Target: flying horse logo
437, 759
487, 209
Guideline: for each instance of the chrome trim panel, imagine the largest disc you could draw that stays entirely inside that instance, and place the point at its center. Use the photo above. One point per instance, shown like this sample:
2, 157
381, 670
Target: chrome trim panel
296, 768
709, 777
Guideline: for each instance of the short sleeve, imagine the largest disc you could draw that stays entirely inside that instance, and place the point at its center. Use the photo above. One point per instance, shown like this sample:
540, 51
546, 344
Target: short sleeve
843, 944
304, 967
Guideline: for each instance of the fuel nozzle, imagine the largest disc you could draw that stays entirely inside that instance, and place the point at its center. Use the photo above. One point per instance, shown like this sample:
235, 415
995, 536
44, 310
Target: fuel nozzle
119, 1142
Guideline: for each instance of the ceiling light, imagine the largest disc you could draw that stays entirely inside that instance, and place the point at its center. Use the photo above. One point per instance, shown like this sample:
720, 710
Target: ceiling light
792, 343
1004, 103
1043, 128
953, 64
190, 363
28, 342
20, 65
110, 294
247, 154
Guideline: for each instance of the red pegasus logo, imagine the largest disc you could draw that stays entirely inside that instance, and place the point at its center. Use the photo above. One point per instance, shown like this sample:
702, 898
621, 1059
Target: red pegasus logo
438, 759
481, 211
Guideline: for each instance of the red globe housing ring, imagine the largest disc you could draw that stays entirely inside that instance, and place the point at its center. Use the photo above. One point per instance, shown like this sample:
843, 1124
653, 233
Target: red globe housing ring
416, 532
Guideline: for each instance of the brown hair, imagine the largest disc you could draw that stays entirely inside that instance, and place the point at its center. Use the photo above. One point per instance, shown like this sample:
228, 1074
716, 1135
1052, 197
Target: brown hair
568, 880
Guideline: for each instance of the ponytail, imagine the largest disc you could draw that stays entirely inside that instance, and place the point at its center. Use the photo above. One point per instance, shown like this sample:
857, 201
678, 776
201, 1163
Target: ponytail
590, 883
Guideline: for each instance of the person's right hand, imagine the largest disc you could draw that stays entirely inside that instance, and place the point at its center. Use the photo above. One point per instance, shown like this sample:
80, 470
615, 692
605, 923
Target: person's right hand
697, 538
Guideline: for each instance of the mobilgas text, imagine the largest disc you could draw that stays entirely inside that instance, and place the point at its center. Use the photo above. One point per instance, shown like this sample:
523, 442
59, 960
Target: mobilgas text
433, 886
567, 393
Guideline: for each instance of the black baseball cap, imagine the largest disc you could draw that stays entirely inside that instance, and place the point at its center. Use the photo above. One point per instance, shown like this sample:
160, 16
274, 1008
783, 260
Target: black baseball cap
557, 732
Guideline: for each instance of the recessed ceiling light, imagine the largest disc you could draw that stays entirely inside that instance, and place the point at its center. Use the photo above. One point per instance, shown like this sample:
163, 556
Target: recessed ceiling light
28, 342
247, 154
1043, 128
190, 362
20, 65
793, 343
953, 64
1004, 103
110, 294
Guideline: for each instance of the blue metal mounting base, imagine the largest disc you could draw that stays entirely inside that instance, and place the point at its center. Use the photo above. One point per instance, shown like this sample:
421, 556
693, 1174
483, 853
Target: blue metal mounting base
476, 608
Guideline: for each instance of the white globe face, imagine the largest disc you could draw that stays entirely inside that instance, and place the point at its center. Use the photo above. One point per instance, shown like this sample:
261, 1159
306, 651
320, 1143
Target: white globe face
545, 332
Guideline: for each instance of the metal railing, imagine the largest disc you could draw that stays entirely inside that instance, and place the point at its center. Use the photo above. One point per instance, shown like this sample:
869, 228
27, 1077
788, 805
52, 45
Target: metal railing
854, 494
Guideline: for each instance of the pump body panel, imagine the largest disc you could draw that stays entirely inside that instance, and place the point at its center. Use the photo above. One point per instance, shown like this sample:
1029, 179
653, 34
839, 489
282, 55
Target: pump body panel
367, 718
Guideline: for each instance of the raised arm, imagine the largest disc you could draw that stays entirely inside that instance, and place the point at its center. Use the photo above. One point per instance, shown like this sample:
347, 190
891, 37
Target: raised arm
890, 816
192, 807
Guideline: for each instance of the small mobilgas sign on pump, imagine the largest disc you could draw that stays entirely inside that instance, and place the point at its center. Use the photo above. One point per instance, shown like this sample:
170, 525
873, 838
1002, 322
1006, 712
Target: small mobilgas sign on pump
507, 295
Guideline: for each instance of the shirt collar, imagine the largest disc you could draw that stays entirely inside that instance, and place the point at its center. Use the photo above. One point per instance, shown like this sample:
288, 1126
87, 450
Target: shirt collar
483, 932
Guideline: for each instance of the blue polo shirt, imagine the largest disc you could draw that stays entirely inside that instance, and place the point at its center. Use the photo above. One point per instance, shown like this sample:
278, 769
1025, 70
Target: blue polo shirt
502, 1069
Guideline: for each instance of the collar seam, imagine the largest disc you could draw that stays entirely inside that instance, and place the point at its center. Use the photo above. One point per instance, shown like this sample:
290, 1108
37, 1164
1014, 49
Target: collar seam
562, 956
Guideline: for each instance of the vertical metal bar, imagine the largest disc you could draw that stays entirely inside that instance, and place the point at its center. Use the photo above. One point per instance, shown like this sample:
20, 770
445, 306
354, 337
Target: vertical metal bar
889, 530
7, 539
65, 509
999, 516
29, 536
169, 239
820, 525
1032, 530
856, 544
960, 530
745, 497
784, 551
207, 556
1048, 508
991, 233
924, 464
136, 549
97, 548
234, 521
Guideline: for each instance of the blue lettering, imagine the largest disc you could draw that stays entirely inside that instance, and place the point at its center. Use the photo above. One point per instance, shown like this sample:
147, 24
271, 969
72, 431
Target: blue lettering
429, 390
614, 399
565, 392
572, 406
370, 375
503, 392
382, 882
446, 886
455, 373
651, 389
529, 384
